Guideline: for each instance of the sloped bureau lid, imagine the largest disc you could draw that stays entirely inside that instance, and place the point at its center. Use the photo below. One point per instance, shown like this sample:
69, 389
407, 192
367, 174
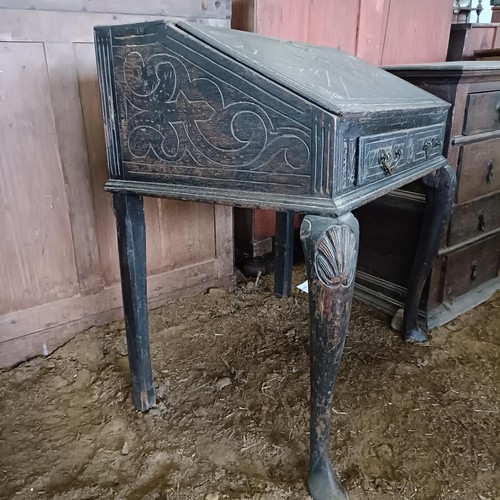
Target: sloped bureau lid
334, 80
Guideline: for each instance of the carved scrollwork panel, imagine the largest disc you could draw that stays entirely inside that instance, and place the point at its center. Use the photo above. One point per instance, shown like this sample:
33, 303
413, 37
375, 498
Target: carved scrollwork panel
180, 115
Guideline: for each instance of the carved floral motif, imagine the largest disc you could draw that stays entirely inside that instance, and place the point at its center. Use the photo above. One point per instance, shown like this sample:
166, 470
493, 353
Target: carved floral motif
180, 114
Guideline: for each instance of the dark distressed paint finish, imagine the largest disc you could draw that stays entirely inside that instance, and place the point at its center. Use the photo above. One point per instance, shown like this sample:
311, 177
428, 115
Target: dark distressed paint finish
212, 115
336, 81
131, 229
330, 248
440, 193
184, 123
283, 251
194, 115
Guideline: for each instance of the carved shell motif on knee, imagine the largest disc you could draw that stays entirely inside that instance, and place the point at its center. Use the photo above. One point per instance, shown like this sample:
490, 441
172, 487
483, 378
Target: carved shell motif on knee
336, 256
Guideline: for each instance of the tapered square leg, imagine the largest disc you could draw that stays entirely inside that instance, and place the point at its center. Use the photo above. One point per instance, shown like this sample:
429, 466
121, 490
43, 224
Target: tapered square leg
440, 194
129, 212
283, 254
331, 249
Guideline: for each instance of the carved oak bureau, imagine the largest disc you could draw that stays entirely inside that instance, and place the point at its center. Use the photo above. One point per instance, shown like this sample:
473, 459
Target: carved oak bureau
466, 271
221, 116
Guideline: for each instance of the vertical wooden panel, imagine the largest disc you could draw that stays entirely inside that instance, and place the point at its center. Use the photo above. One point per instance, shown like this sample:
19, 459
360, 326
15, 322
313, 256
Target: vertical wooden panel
94, 132
71, 139
153, 235
243, 17
496, 42
334, 23
179, 233
478, 38
417, 32
264, 224
187, 233
372, 27
224, 238
283, 19
36, 246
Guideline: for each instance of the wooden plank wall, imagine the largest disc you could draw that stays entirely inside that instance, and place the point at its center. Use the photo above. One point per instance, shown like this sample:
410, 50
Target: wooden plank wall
58, 248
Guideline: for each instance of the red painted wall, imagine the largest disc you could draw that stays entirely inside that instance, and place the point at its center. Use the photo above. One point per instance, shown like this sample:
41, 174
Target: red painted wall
379, 31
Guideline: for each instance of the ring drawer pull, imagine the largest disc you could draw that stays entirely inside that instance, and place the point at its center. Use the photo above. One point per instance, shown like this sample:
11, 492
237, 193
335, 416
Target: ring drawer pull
482, 221
389, 159
489, 175
473, 273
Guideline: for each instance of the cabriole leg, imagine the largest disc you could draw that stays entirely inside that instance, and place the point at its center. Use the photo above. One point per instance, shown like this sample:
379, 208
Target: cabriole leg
331, 249
129, 212
439, 202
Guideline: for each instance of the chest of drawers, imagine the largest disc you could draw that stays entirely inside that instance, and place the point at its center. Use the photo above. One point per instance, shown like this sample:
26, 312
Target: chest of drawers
465, 272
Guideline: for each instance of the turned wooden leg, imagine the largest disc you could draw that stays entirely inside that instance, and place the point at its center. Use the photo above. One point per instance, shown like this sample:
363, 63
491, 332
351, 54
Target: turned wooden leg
129, 212
331, 250
439, 202
283, 254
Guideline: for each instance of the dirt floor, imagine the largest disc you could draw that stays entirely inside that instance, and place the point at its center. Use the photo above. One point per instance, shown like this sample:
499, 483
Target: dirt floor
410, 422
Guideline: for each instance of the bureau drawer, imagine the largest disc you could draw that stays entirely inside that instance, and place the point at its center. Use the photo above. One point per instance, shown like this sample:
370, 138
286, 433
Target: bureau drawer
383, 155
474, 219
483, 113
479, 172
468, 267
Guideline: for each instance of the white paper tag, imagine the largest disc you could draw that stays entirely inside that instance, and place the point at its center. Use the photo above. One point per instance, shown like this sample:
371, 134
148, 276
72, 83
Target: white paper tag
304, 287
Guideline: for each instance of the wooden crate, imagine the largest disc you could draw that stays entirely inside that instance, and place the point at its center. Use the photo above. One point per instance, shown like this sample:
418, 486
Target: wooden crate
58, 248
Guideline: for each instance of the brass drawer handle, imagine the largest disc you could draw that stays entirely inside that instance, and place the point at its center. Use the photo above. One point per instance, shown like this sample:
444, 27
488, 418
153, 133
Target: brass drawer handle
482, 221
473, 272
390, 159
430, 145
489, 175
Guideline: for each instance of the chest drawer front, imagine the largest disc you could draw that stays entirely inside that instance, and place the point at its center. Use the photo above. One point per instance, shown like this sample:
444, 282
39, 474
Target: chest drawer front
471, 266
383, 155
479, 170
483, 113
474, 219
